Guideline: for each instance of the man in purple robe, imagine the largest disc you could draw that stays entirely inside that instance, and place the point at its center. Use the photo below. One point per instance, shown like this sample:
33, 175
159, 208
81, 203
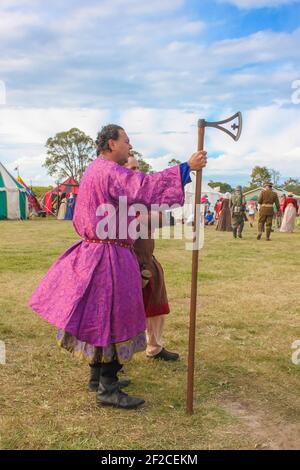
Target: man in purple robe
93, 292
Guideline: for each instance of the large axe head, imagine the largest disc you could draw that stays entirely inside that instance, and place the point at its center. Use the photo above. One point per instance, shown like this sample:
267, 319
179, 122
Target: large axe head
236, 125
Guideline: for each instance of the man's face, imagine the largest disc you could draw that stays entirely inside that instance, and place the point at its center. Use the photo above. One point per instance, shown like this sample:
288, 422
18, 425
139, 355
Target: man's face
121, 148
132, 164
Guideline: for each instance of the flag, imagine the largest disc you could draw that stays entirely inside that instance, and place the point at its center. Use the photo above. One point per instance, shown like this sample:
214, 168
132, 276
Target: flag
30, 194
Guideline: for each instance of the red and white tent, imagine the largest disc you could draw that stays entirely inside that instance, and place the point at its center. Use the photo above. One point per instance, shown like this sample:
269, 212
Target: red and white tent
70, 186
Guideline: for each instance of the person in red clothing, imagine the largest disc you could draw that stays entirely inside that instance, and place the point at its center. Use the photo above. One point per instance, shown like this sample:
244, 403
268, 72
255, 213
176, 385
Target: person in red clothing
282, 202
279, 213
218, 207
290, 209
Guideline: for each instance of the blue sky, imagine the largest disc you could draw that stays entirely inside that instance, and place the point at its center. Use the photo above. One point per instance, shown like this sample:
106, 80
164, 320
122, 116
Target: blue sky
155, 68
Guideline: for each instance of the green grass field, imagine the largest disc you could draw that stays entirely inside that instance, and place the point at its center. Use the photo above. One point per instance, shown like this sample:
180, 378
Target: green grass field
246, 386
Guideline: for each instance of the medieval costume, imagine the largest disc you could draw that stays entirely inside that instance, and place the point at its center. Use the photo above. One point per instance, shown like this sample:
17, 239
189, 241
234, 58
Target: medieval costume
217, 208
70, 207
224, 222
282, 203
155, 298
93, 291
290, 209
279, 214
62, 209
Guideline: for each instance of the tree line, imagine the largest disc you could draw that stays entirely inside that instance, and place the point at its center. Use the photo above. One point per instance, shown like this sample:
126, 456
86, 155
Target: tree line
70, 152
259, 175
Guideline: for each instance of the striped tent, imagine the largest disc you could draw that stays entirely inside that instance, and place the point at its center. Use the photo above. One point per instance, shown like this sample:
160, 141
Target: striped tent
13, 200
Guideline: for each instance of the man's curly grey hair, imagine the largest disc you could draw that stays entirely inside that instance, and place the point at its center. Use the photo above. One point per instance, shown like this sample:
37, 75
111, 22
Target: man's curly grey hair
111, 131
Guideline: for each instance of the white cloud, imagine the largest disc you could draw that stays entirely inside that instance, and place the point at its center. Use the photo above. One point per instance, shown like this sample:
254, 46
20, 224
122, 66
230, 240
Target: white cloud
134, 60
24, 132
253, 4
159, 164
128, 56
18, 3
30, 166
262, 46
35, 125
161, 30
270, 138
137, 7
14, 63
15, 24
113, 9
161, 132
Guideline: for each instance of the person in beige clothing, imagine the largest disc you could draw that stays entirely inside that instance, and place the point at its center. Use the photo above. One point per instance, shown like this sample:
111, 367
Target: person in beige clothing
266, 200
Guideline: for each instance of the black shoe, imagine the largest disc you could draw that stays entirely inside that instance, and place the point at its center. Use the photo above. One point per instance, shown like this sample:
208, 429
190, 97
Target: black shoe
240, 235
95, 379
258, 236
111, 395
165, 355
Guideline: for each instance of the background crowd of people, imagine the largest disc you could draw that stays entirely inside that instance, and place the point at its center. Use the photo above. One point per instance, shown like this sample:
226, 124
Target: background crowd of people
222, 215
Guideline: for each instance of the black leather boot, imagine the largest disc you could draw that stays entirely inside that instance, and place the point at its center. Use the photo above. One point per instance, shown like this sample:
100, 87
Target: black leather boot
95, 378
109, 394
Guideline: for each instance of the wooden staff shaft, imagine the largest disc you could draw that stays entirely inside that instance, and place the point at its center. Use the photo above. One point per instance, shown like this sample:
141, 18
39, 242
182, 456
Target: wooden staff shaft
193, 304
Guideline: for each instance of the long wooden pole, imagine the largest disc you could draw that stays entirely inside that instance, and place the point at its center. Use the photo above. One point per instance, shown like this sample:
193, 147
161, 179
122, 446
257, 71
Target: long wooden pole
193, 304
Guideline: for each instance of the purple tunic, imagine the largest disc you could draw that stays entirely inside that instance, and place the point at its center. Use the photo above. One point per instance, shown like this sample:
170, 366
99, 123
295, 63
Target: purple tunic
93, 291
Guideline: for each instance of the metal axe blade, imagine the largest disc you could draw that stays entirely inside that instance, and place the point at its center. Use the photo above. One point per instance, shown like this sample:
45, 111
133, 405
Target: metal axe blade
235, 126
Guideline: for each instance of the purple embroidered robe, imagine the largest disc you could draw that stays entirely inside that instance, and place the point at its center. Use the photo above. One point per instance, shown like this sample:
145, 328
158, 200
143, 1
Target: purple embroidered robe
93, 291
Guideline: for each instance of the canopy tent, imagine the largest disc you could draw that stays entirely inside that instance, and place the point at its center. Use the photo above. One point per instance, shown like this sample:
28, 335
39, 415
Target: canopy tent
51, 198
190, 189
68, 187
13, 201
252, 198
253, 194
